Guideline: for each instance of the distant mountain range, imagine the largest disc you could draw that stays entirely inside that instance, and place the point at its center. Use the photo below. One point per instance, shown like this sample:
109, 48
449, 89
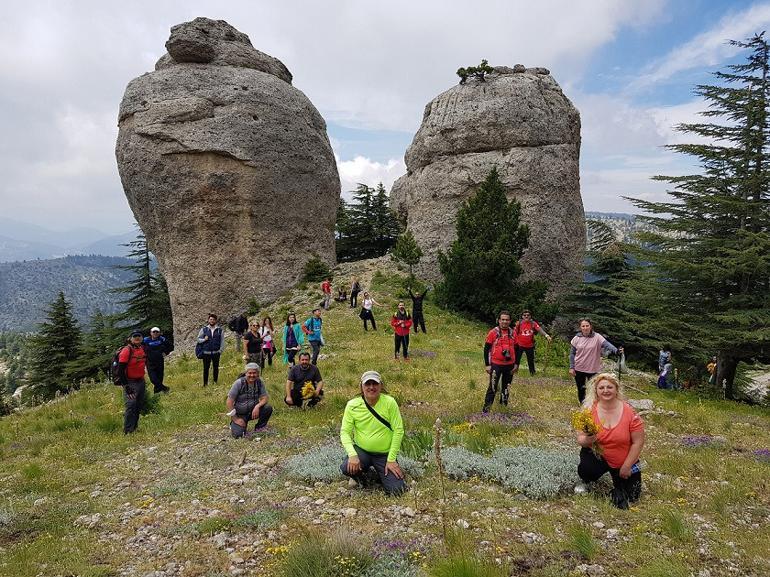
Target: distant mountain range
623, 225
27, 288
23, 241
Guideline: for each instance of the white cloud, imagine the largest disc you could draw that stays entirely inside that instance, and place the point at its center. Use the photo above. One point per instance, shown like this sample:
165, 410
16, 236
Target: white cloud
708, 48
363, 170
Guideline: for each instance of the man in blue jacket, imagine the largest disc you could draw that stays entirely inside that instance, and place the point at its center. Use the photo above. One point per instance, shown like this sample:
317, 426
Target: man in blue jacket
156, 347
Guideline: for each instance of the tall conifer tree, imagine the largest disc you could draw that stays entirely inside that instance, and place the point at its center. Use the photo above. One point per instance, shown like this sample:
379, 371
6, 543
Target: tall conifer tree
711, 250
481, 269
55, 349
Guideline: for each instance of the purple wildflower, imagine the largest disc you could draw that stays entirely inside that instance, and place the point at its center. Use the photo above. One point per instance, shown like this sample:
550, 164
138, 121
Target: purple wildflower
695, 441
762, 455
506, 419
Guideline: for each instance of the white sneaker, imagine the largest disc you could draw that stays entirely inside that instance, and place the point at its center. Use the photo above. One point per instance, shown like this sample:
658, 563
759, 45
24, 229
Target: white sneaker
581, 489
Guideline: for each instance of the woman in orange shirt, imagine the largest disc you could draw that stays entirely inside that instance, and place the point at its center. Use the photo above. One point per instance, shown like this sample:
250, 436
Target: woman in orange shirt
619, 441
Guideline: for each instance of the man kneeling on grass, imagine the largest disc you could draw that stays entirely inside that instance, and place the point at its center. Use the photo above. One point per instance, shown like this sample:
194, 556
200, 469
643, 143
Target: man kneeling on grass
247, 401
371, 433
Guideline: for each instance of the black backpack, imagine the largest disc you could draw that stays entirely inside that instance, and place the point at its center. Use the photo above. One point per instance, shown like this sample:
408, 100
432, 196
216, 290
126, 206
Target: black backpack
115, 365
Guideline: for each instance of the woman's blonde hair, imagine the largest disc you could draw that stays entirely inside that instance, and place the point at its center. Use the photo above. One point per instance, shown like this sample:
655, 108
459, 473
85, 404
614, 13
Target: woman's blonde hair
594, 382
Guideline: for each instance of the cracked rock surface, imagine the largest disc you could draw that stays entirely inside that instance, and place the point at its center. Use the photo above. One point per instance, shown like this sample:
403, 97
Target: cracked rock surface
228, 170
520, 121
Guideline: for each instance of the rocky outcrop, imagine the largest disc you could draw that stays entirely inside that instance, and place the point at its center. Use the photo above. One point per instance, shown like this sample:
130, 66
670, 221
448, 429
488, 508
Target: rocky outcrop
520, 121
228, 170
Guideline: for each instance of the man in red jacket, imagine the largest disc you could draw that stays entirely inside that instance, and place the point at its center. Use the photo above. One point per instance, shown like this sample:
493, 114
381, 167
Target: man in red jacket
499, 361
524, 340
326, 288
401, 323
131, 363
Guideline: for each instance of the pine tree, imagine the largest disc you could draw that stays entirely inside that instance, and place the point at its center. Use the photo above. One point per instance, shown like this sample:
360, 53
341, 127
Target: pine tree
55, 349
147, 303
367, 227
407, 251
482, 267
711, 256
387, 226
99, 344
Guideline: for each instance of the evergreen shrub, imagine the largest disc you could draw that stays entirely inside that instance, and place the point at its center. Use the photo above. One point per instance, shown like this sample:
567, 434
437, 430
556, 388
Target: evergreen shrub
315, 270
323, 464
535, 472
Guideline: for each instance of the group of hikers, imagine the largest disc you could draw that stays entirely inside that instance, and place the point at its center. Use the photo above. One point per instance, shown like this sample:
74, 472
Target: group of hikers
372, 427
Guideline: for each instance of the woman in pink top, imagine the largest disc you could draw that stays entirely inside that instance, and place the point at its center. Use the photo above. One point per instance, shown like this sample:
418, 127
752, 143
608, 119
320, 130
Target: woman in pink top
585, 355
620, 440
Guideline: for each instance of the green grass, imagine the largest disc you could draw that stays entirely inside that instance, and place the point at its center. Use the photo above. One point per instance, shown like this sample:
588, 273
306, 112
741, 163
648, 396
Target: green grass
71, 458
582, 542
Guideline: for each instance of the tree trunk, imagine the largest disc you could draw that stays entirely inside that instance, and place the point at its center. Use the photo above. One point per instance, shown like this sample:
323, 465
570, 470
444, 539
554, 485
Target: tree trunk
726, 368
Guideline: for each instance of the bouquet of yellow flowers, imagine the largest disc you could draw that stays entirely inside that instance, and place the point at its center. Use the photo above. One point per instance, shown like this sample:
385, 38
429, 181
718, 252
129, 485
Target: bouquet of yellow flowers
308, 390
583, 421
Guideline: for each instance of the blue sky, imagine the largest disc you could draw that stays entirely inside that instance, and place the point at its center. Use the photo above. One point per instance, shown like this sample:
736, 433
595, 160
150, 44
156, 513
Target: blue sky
370, 68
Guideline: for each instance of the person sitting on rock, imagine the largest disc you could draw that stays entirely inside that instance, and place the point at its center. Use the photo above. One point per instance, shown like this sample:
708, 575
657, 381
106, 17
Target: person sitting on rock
371, 433
304, 383
247, 401
617, 445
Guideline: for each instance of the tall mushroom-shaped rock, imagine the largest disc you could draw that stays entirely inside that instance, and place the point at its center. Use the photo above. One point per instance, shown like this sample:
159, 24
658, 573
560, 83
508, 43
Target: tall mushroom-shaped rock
520, 121
228, 170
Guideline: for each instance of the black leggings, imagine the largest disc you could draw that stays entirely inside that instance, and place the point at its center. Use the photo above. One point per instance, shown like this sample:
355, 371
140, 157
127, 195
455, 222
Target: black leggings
367, 315
402, 341
580, 381
418, 322
530, 352
504, 372
209, 360
592, 467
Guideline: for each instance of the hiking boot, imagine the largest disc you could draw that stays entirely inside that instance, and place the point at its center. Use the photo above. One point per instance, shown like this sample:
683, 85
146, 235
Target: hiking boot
485, 410
619, 499
162, 389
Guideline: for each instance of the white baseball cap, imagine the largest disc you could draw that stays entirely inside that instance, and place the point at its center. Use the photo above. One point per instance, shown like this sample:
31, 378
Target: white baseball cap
154, 329
371, 376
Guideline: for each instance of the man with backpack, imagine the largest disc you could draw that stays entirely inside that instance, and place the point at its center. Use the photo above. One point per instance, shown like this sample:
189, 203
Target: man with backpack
524, 340
247, 401
312, 328
130, 375
239, 325
499, 360
156, 347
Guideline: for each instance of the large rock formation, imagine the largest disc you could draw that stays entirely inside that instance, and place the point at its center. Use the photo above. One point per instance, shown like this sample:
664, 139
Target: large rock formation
520, 121
228, 170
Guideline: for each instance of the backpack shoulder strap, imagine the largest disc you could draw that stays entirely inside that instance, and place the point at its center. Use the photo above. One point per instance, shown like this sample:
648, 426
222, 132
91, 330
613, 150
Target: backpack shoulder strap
376, 415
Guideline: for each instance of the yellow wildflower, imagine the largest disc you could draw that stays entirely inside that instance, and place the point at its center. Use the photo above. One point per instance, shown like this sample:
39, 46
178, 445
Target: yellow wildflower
583, 421
308, 390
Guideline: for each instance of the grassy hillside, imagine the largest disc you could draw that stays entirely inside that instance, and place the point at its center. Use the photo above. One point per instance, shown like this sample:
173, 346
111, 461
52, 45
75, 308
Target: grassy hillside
181, 497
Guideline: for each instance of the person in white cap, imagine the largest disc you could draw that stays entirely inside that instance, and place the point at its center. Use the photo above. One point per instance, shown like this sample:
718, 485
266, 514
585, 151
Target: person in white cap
157, 347
371, 433
247, 401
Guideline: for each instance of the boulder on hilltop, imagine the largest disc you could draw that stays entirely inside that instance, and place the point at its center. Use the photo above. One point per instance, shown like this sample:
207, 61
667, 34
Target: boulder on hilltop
229, 171
519, 120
